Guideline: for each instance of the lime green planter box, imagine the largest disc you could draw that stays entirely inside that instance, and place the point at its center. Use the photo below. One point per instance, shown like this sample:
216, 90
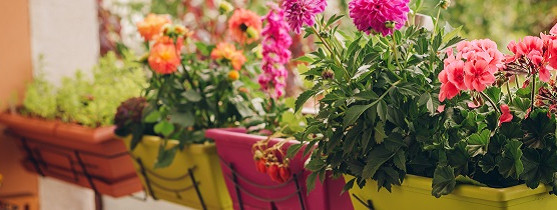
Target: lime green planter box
415, 193
175, 183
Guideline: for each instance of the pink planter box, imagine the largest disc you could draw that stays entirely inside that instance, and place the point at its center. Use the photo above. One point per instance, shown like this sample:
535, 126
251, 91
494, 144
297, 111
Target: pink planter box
251, 189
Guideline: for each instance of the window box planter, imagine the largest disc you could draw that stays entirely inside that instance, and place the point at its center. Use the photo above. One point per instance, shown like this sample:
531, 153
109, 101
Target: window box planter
89, 157
175, 183
251, 189
415, 193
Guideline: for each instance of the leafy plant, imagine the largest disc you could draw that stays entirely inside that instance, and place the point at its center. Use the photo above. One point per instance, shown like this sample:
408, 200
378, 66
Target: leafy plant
375, 91
89, 101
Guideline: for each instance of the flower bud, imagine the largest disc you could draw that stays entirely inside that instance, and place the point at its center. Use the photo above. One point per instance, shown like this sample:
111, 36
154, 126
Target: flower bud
390, 24
252, 33
328, 74
233, 75
225, 7
324, 34
445, 4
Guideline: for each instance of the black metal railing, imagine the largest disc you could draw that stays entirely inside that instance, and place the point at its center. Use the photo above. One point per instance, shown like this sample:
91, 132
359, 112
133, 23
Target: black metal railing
151, 184
75, 161
234, 177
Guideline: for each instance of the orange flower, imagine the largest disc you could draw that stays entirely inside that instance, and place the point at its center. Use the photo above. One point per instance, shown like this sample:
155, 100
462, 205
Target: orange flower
164, 57
152, 25
245, 26
228, 52
233, 75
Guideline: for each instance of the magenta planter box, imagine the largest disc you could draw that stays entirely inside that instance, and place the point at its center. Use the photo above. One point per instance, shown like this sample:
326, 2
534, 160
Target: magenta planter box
251, 189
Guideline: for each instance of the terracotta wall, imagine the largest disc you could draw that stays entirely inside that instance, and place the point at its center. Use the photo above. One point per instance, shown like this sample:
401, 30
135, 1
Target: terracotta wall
15, 71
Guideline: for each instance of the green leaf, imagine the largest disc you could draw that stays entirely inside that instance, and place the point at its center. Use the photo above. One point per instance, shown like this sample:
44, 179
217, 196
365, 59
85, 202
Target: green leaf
537, 127
304, 59
153, 117
184, 119
477, 143
164, 128
511, 165
494, 93
444, 181
539, 166
353, 113
363, 70
377, 157
165, 157
382, 110
400, 160
310, 181
192, 95
302, 98
293, 150
468, 180
379, 132
349, 185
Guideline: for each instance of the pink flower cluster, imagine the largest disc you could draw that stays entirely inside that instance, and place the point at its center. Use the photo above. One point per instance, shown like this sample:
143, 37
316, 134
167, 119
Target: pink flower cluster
472, 68
379, 15
300, 12
542, 52
276, 41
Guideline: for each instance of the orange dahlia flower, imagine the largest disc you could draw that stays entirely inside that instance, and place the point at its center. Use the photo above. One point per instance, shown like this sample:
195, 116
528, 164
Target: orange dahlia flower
244, 26
164, 57
152, 25
228, 52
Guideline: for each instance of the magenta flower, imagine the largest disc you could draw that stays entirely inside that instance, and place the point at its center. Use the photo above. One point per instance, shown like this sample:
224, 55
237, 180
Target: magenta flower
377, 15
276, 41
300, 12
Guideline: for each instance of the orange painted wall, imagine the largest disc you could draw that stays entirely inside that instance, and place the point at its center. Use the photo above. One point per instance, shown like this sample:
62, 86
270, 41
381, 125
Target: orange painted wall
15, 72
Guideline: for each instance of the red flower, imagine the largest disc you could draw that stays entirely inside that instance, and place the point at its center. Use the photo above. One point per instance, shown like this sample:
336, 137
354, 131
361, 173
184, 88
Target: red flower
455, 74
506, 115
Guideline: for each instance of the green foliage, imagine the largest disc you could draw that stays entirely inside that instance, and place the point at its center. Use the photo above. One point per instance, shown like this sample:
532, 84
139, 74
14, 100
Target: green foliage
379, 110
89, 101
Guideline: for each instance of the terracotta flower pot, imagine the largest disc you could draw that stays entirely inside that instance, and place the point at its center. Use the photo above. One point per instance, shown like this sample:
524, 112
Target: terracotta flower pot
251, 189
90, 157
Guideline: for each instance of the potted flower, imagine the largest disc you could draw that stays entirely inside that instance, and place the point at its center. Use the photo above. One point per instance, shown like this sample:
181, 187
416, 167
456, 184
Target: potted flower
258, 169
66, 132
194, 86
435, 125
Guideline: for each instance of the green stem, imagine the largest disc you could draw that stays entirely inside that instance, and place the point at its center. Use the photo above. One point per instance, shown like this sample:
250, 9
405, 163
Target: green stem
517, 82
333, 54
490, 102
533, 93
395, 51
509, 92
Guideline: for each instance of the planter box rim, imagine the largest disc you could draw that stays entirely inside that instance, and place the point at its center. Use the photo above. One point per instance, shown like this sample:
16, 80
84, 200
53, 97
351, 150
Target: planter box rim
62, 130
215, 132
194, 148
477, 192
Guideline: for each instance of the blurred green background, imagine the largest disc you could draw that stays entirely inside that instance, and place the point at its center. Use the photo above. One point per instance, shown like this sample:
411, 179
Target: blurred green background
499, 20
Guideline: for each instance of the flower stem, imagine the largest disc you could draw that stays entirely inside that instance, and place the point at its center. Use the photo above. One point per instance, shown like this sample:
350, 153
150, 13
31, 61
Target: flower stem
490, 102
533, 93
333, 54
395, 51
509, 92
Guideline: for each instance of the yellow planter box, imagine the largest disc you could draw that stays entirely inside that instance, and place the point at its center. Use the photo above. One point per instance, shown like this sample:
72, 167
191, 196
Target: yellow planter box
415, 193
174, 183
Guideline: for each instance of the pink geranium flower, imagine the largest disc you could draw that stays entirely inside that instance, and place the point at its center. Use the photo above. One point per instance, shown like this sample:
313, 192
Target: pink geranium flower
455, 74
448, 89
506, 115
477, 75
